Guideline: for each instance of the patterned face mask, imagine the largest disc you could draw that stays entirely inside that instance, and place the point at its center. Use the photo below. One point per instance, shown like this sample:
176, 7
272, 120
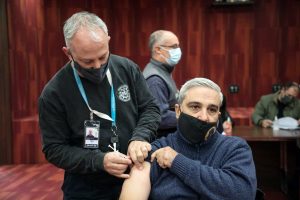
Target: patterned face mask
193, 129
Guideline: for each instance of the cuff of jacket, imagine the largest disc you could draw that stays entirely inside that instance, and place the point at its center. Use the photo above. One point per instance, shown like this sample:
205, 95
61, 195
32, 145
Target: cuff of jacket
98, 161
259, 123
180, 166
146, 136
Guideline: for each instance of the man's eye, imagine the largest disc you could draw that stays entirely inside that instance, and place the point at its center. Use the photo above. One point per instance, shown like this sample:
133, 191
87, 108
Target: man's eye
87, 62
103, 58
212, 111
195, 108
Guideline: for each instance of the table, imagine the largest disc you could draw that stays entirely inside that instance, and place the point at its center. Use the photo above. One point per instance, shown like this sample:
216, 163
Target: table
258, 134
254, 133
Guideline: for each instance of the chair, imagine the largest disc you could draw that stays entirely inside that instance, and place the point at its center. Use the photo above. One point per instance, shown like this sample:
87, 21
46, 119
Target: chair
276, 87
260, 195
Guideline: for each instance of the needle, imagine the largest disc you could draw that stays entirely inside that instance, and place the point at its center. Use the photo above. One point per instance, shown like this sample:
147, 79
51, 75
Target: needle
122, 155
112, 148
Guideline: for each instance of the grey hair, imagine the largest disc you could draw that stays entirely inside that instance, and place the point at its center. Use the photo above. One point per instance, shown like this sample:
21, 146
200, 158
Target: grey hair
198, 82
157, 37
79, 20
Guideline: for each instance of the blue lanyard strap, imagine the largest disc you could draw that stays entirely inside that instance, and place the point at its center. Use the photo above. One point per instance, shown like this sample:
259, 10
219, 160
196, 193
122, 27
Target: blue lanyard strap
113, 105
80, 87
112, 98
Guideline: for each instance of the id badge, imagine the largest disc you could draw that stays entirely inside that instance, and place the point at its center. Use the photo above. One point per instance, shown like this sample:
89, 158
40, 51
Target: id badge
91, 134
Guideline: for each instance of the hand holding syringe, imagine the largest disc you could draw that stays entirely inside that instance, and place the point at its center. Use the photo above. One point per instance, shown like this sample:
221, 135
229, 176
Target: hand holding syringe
115, 150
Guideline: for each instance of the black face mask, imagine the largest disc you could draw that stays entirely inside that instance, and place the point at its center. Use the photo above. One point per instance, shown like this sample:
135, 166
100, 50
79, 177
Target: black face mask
193, 129
286, 99
92, 74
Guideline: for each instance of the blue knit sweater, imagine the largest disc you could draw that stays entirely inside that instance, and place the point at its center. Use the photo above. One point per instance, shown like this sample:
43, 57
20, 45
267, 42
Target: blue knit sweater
219, 169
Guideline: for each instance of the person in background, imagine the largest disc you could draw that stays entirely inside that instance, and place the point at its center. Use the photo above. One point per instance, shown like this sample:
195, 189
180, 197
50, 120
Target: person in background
225, 123
283, 103
195, 162
165, 54
101, 94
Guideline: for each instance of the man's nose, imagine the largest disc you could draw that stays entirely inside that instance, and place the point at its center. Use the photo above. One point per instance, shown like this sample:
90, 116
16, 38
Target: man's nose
97, 64
202, 115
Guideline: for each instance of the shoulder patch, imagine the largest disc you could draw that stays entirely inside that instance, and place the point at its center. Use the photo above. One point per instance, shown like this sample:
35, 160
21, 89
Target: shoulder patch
123, 93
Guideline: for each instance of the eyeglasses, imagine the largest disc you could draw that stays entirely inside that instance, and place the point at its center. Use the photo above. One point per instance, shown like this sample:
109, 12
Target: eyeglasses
174, 46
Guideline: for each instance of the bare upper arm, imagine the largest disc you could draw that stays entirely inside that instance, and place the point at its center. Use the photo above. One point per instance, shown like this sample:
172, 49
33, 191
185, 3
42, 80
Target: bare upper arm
137, 186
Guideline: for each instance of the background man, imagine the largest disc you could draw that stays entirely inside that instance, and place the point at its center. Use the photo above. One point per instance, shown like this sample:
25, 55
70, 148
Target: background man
283, 103
165, 54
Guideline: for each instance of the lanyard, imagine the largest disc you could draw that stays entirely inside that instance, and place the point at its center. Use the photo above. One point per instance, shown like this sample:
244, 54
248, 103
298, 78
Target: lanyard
112, 99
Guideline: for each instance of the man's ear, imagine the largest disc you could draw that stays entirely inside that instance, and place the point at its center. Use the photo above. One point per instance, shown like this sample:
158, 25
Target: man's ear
157, 50
177, 110
67, 52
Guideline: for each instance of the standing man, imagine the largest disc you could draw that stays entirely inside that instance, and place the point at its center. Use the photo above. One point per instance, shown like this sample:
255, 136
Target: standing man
100, 94
165, 54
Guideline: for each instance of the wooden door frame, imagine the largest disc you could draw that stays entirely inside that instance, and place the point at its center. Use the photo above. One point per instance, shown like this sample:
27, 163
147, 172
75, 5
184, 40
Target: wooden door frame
5, 104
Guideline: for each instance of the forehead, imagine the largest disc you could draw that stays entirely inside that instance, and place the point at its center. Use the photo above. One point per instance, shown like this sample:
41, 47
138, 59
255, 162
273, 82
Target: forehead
170, 39
202, 95
293, 91
89, 43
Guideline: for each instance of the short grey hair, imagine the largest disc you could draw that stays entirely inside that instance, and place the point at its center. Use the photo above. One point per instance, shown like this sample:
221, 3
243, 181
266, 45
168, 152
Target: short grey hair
198, 82
79, 20
157, 37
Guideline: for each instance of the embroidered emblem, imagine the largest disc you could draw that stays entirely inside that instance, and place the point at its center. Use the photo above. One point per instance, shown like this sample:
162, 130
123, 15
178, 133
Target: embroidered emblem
123, 93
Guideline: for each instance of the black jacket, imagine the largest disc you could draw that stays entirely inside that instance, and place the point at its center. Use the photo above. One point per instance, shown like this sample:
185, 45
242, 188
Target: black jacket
62, 112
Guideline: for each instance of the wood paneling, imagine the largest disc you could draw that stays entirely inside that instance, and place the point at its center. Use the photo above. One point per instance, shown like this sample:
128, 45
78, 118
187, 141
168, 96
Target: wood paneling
5, 109
251, 46
27, 53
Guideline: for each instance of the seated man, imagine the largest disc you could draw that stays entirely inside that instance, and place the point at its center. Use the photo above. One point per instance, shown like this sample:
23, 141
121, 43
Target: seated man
283, 103
195, 162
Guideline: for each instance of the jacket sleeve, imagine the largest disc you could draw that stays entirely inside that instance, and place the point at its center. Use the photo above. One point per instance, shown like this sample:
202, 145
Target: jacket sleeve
234, 179
259, 112
56, 138
149, 114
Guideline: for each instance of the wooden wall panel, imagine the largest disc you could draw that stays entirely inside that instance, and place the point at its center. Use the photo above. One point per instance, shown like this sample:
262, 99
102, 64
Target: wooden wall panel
275, 57
252, 46
27, 54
